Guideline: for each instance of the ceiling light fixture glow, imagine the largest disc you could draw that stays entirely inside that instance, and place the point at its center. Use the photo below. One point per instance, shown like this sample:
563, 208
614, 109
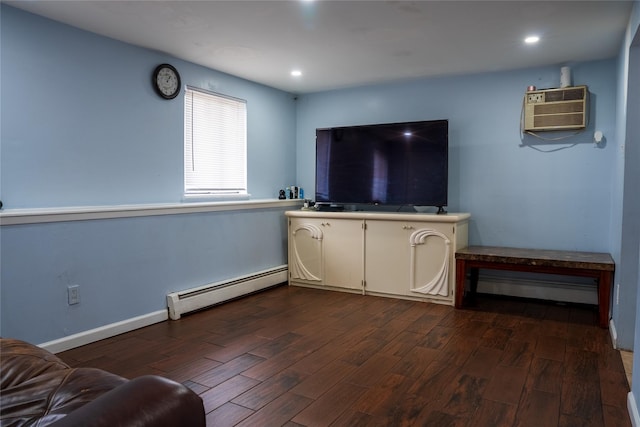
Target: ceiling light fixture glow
532, 40
296, 73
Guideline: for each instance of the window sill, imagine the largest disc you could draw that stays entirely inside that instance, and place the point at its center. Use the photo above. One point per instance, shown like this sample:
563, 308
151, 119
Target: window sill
211, 197
82, 213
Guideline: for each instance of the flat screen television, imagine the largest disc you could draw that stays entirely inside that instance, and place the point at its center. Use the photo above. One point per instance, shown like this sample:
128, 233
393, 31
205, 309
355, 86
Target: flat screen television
383, 164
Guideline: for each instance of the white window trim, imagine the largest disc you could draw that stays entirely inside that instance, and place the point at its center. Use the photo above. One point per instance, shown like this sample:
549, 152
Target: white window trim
218, 179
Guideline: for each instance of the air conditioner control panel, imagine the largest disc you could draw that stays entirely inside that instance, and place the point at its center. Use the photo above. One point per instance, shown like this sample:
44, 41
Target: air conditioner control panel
535, 97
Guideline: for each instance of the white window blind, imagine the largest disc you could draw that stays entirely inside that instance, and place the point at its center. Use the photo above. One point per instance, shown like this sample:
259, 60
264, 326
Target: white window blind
215, 143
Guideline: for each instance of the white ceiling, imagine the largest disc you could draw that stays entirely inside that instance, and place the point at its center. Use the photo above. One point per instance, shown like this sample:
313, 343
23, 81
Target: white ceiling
339, 44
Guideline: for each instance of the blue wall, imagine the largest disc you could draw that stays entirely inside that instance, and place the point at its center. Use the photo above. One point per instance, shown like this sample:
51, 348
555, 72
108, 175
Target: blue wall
520, 192
628, 272
626, 246
82, 126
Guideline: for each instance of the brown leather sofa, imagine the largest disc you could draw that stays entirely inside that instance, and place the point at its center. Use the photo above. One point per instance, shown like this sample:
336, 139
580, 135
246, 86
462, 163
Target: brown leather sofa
39, 389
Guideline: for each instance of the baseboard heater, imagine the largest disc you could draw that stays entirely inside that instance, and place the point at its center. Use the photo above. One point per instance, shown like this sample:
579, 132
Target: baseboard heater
189, 300
580, 290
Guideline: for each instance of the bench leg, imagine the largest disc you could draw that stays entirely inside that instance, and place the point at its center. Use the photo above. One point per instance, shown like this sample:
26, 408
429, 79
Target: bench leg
604, 298
461, 274
474, 273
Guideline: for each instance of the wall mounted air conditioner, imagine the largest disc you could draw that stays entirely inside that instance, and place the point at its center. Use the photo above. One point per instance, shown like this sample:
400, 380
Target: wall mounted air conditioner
556, 109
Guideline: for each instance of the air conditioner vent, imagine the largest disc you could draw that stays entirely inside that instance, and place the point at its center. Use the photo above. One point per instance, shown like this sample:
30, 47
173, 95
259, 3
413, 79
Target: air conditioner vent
573, 94
556, 109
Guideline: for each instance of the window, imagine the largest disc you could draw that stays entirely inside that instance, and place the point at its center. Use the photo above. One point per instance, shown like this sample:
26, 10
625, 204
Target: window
215, 144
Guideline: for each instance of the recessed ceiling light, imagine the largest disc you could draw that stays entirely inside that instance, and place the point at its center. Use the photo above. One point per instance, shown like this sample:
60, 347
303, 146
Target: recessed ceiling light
532, 39
296, 73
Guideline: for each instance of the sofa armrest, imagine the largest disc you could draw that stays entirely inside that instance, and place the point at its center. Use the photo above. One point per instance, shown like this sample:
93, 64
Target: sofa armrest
147, 401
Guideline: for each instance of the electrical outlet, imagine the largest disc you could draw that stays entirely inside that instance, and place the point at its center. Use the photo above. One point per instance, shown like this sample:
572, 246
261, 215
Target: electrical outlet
73, 294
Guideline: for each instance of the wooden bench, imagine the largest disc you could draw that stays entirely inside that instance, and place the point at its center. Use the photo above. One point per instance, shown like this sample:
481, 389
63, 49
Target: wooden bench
600, 266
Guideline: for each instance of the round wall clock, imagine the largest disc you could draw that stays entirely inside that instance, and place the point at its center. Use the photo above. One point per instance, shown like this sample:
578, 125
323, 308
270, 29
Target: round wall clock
166, 81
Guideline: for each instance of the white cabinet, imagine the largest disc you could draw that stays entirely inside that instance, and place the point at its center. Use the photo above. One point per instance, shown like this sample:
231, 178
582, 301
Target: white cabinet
327, 252
411, 258
393, 254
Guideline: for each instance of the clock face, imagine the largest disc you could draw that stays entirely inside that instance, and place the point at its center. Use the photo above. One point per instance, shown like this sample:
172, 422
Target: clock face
166, 81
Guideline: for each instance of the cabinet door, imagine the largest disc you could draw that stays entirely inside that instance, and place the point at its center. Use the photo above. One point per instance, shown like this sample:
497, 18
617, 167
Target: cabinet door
430, 258
305, 250
387, 257
343, 253
409, 258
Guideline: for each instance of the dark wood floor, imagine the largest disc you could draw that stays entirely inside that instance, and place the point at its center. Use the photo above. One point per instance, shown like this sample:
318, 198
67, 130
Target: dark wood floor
296, 356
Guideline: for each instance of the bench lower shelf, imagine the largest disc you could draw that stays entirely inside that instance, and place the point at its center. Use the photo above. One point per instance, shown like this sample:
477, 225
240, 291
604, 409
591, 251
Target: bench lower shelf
599, 266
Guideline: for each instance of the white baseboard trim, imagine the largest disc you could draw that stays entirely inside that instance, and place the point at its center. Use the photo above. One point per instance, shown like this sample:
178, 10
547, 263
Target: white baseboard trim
546, 290
633, 410
614, 333
106, 331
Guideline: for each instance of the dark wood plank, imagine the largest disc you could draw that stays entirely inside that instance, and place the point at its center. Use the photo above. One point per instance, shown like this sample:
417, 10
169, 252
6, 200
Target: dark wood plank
275, 345
414, 363
384, 396
442, 419
517, 353
580, 399
301, 357
546, 375
220, 374
351, 418
266, 391
402, 343
320, 382
217, 396
237, 346
506, 385
328, 407
433, 382
370, 372
277, 412
613, 388
438, 337
496, 337
582, 364
538, 408
227, 415
492, 413
483, 362
615, 416
465, 395
273, 365
550, 347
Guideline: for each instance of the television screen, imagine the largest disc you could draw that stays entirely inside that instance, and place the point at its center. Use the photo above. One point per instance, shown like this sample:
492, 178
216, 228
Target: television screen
383, 164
